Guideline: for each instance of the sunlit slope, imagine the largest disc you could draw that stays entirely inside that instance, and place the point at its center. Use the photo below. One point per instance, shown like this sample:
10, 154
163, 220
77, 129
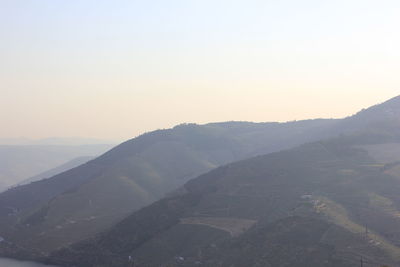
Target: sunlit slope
322, 204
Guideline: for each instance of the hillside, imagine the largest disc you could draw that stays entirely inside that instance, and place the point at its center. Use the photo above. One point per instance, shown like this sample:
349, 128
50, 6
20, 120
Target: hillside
86, 200
322, 204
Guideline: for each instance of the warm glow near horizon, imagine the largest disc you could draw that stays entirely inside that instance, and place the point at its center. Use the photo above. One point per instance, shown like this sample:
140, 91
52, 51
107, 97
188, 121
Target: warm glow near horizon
115, 69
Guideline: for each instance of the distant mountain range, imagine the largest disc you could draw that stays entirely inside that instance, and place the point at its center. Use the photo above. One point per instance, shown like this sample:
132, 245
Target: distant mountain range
55, 141
20, 162
57, 170
308, 206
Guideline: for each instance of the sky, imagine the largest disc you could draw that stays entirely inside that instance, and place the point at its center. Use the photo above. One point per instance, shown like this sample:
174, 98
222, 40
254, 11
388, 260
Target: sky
117, 68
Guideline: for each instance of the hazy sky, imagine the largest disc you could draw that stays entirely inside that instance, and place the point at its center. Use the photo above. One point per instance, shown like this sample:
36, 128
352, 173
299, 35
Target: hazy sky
114, 69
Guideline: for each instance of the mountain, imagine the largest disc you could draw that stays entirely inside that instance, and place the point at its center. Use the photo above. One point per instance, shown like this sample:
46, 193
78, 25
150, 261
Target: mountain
327, 203
91, 198
381, 118
81, 202
19, 162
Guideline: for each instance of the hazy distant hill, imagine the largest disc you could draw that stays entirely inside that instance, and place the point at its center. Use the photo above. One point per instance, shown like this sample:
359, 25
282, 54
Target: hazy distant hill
90, 198
19, 162
57, 170
54, 141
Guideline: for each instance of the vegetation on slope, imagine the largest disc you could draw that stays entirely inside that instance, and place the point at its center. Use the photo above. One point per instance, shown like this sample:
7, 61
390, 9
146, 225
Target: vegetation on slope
301, 200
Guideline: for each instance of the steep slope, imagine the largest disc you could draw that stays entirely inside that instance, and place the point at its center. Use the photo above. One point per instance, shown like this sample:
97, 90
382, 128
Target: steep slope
309, 206
19, 162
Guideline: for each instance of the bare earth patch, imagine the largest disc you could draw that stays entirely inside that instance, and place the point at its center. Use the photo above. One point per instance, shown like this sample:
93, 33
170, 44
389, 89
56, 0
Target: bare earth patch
234, 226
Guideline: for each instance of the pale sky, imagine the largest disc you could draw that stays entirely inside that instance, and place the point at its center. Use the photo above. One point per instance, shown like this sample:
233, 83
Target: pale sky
114, 69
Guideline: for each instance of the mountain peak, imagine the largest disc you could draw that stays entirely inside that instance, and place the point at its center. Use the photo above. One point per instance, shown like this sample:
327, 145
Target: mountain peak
394, 99
393, 103
389, 109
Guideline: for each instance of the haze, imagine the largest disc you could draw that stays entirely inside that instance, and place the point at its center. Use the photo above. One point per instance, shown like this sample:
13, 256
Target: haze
115, 69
